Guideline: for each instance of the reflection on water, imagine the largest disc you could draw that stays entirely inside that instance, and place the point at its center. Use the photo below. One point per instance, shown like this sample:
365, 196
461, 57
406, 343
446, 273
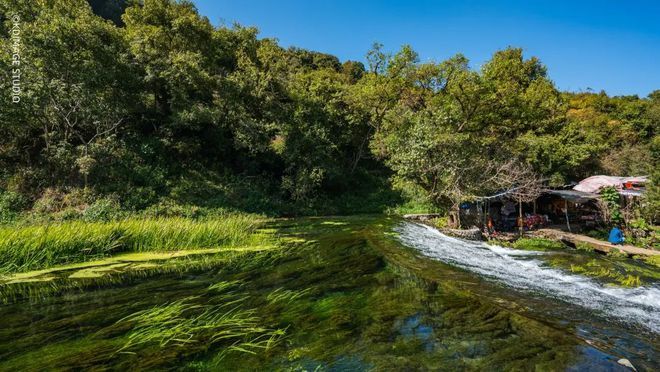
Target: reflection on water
348, 295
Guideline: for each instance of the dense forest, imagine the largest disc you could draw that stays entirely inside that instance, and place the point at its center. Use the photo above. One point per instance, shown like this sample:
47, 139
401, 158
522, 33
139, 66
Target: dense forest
160, 110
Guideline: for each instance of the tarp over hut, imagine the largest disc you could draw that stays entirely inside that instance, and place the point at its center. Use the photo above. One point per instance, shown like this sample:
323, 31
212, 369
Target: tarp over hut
593, 184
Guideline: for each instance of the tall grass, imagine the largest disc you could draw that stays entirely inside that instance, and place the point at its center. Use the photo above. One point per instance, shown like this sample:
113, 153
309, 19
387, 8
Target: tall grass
31, 247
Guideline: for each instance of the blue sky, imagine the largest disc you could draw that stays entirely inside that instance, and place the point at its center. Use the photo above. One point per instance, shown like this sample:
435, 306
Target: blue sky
612, 45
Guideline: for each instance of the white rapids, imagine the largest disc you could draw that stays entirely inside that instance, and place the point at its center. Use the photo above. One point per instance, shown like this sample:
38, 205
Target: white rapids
518, 269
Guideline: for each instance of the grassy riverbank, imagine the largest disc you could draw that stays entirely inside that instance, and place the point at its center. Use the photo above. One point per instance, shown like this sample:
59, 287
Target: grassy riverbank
39, 246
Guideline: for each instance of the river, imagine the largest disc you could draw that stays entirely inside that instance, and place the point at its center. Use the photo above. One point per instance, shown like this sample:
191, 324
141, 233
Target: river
355, 293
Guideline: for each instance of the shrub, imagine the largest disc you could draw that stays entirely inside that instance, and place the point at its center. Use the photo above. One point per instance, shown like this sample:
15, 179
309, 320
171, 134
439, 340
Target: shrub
537, 244
60, 200
140, 198
640, 223
610, 205
11, 203
169, 208
104, 209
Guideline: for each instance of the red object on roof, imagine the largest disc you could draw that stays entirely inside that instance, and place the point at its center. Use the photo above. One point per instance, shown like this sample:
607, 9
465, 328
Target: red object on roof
593, 184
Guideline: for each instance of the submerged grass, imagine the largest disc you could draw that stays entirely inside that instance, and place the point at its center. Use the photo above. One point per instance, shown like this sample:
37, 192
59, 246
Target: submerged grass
598, 269
32, 247
235, 260
184, 322
653, 260
285, 296
614, 268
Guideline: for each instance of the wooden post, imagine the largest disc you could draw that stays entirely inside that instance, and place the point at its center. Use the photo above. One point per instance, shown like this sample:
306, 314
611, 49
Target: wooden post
568, 224
458, 216
486, 211
485, 215
479, 214
520, 221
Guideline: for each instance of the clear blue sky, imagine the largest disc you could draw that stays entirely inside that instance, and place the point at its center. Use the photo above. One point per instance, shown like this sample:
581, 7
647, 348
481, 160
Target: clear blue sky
612, 45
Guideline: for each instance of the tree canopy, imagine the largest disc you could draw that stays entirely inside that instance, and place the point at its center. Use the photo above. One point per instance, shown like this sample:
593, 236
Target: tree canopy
134, 105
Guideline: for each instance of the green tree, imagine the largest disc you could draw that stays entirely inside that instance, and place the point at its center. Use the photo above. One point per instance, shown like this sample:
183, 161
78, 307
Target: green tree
652, 197
76, 89
447, 126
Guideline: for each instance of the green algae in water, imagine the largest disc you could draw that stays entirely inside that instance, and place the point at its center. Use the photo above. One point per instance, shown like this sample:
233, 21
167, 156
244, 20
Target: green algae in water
96, 272
614, 269
352, 300
617, 271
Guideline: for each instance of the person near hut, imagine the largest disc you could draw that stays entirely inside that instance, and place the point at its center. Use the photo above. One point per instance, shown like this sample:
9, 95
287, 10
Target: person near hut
616, 236
520, 223
490, 227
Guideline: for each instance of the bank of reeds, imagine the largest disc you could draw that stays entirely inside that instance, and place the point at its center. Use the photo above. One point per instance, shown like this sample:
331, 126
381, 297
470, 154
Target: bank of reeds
32, 247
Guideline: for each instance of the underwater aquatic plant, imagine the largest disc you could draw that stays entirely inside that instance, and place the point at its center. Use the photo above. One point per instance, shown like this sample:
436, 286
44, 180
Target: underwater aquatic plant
631, 281
225, 285
598, 269
185, 322
285, 295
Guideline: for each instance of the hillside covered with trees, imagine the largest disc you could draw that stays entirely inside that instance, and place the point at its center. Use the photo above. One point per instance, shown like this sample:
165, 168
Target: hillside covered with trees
163, 111
179, 195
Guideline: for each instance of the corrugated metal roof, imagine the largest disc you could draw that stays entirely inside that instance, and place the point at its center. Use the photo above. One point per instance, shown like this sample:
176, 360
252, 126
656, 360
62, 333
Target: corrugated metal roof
573, 195
631, 192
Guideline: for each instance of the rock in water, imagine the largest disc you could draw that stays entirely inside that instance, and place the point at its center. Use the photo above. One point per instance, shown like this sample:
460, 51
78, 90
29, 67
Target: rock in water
626, 363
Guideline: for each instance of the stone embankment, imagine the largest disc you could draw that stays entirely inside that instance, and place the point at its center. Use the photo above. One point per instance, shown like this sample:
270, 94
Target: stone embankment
422, 217
469, 234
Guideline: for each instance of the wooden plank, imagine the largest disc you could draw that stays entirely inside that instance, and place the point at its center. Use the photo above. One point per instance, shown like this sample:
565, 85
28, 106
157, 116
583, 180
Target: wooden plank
598, 245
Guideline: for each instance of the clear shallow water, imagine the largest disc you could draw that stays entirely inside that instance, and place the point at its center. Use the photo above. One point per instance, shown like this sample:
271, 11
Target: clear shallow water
351, 294
523, 270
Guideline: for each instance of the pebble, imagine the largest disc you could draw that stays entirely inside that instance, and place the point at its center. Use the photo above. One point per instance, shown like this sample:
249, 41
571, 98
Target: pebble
626, 363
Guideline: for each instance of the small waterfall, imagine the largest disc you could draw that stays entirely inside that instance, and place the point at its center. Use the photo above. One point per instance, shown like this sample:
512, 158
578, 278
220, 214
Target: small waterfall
519, 269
